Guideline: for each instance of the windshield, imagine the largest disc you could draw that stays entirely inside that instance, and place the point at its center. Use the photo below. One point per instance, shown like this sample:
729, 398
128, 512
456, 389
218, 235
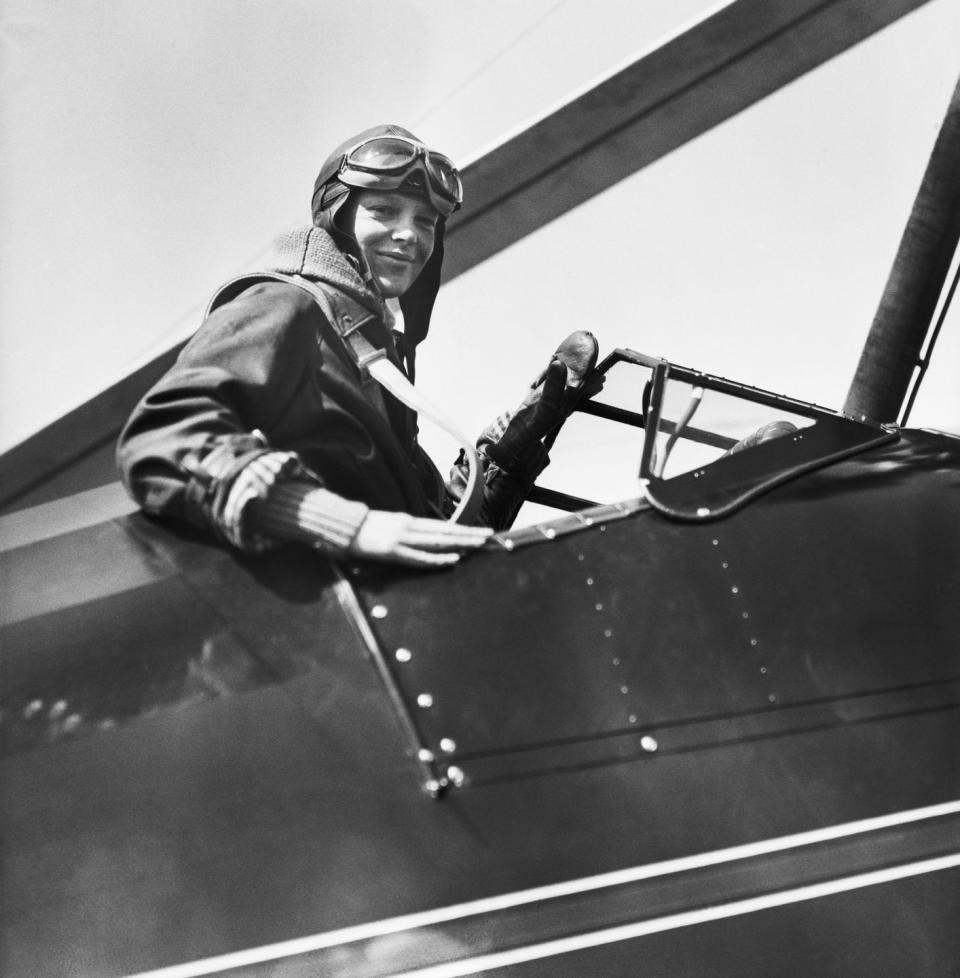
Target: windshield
692, 445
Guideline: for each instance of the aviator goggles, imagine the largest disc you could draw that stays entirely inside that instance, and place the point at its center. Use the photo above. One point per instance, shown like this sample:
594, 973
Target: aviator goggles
396, 163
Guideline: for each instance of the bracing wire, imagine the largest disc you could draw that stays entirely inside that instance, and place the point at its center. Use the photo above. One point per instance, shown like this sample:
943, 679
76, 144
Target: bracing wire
925, 360
473, 76
529, 29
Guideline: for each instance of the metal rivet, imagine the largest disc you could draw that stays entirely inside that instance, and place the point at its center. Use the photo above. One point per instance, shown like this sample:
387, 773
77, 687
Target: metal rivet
403, 655
433, 786
550, 533
703, 511
425, 755
378, 611
32, 708
72, 722
716, 542
580, 557
772, 697
589, 582
616, 662
608, 633
734, 589
763, 670
725, 565
447, 745
744, 615
598, 606
753, 641
632, 718
456, 776
603, 529
649, 744
348, 320
624, 690
508, 545
425, 700
58, 709
107, 724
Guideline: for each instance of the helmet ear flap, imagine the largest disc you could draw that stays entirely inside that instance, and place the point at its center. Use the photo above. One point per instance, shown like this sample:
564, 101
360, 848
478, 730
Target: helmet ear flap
417, 302
328, 198
342, 227
333, 212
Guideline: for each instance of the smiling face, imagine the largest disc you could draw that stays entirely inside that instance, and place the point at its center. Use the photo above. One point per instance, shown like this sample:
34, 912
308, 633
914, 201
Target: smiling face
395, 233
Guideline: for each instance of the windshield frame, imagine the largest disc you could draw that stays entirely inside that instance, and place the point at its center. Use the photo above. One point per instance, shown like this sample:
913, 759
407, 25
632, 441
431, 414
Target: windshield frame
729, 482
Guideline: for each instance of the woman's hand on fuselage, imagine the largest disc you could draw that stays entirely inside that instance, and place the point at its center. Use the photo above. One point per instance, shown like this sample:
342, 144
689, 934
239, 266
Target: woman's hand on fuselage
415, 541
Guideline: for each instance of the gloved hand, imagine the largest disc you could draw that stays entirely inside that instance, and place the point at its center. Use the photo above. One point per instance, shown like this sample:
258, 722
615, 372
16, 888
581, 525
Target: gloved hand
551, 398
399, 538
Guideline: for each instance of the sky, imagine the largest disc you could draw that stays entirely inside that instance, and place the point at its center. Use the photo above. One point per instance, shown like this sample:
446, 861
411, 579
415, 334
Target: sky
151, 151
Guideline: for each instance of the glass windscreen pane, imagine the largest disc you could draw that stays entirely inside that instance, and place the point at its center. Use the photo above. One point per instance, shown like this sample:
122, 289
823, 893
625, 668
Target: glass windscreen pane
708, 445
699, 426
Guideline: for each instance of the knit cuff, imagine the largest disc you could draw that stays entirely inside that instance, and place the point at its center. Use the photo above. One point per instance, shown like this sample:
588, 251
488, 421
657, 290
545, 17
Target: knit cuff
253, 483
301, 511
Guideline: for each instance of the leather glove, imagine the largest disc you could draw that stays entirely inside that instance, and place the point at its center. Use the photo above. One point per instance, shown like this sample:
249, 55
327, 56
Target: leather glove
551, 399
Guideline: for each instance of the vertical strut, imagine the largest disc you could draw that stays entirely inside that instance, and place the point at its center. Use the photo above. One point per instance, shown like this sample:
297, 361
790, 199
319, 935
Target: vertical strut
893, 347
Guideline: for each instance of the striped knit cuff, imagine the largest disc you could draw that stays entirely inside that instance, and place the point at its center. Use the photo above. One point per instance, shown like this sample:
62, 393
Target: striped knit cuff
253, 484
301, 511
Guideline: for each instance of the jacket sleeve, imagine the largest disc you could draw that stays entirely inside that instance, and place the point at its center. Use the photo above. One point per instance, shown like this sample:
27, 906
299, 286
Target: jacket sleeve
504, 491
189, 439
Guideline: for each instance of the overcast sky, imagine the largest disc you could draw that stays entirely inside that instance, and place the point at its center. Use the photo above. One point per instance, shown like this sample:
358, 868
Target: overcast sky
151, 150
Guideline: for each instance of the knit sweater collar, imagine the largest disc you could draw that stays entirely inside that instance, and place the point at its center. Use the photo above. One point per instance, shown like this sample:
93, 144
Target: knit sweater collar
312, 252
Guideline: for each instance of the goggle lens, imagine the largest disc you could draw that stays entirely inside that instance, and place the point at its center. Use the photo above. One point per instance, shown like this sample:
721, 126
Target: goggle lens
446, 174
383, 153
396, 155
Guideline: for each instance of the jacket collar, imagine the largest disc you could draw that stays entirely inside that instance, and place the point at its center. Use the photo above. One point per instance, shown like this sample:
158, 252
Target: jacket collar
311, 252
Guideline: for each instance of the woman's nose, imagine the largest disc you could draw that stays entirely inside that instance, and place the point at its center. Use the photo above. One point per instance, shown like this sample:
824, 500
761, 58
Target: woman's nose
405, 231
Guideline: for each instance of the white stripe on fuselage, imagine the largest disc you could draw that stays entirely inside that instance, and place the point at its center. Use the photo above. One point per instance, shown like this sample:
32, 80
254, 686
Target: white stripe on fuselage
427, 918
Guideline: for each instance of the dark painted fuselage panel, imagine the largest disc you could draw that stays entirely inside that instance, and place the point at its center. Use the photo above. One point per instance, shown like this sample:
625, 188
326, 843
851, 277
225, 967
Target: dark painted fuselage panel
206, 754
